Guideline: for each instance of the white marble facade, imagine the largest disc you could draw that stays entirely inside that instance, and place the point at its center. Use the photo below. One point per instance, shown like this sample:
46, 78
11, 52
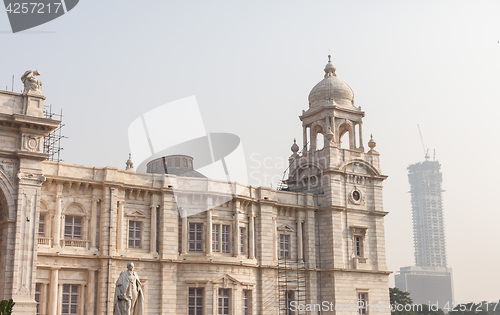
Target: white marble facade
67, 231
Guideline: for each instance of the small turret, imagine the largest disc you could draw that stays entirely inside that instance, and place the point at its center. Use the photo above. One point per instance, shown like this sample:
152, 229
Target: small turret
129, 164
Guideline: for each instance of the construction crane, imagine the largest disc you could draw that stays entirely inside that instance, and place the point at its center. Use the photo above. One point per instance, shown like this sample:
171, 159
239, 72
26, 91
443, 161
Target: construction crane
426, 150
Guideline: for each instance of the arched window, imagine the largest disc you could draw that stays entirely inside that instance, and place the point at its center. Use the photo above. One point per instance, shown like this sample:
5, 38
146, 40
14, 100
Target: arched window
317, 138
320, 141
74, 221
345, 135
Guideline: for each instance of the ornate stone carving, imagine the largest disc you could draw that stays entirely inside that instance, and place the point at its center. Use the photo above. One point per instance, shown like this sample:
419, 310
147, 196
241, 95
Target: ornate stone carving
33, 143
31, 83
30, 178
286, 228
7, 167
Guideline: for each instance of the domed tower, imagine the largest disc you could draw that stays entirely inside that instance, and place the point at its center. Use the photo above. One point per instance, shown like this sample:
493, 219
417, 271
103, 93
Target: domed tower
332, 140
346, 183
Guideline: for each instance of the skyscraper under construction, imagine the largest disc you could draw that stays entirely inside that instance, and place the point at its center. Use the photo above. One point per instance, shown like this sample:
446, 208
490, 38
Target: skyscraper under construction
427, 209
430, 280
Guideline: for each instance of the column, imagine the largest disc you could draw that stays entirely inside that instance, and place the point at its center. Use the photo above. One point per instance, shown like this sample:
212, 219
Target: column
91, 294
304, 146
354, 135
44, 298
152, 245
119, 226
361, 136
56, 230
93, 222
251, 236
59, 298
236, 238
209, 233
312, 141
53, 291
300, 251
184, 243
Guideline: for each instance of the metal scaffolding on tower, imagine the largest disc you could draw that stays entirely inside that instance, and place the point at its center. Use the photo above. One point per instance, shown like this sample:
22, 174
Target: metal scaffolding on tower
291, 285
52, 142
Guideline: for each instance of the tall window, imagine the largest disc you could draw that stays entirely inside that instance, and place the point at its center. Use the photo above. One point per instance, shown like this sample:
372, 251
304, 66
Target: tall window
195, 301
221, 238
215, 237
284, 246
73, 227
247, 302
243, 241
135, 234
224, 299
70, 299
226, 238
358, 245
196, 237
362, 303
41, 225
38, 295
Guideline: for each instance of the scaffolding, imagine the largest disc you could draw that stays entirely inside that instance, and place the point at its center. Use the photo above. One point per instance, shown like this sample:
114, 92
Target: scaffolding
52, 142
291, 285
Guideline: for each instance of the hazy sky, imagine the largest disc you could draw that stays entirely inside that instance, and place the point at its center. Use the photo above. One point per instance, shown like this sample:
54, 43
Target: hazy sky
251, 65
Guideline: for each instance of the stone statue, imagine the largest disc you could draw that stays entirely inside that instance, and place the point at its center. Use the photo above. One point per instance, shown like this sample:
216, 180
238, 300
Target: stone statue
30, 81
129, 298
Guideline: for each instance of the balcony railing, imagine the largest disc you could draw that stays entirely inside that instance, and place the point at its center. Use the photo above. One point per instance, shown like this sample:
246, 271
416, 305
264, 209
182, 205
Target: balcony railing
75, 243
44, 240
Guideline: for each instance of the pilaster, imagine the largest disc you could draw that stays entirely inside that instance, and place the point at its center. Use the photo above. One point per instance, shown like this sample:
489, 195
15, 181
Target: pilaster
93, 220
236, 225
208, 237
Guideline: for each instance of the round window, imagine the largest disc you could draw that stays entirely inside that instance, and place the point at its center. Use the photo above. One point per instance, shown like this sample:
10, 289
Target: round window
356, 195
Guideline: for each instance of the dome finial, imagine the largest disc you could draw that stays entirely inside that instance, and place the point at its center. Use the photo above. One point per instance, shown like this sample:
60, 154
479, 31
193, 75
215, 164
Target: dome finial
329, 68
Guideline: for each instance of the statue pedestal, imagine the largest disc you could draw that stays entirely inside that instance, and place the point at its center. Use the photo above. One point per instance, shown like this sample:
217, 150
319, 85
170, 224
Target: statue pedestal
33, 103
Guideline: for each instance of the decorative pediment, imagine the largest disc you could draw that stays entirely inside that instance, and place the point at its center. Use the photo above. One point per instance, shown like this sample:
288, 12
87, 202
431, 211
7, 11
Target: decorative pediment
286, 228
44, 206
359, 230
227, 279
360, 168
75, 208
136, 214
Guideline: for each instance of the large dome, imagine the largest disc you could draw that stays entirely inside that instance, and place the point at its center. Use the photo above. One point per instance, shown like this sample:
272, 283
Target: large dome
331, 90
